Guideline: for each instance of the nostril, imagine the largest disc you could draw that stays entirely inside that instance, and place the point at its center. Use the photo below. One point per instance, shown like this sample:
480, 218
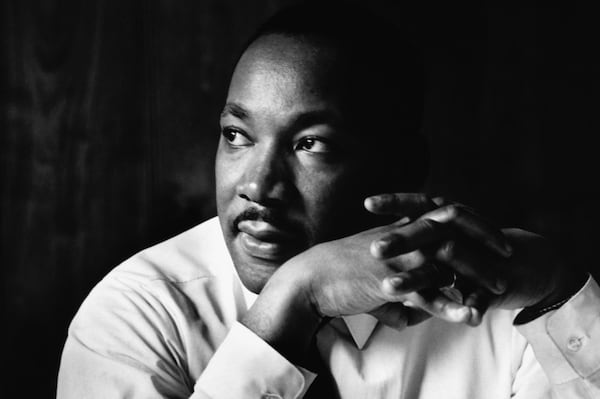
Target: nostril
263, 201
264, 188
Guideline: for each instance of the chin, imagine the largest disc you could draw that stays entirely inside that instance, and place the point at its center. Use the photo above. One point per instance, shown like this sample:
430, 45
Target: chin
253, 272
255, 277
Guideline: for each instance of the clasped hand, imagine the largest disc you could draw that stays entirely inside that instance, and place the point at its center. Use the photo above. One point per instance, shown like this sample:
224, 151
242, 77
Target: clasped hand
394, 272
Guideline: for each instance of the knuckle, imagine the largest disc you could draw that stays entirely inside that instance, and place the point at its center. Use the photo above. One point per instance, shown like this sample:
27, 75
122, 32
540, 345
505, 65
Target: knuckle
439, 308
439, 201
448, 250
392, 240
414, 259
388, 198
429, 225
422, 200
453, 211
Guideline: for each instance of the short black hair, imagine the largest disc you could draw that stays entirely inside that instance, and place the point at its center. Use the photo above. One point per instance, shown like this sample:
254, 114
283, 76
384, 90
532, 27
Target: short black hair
383, 71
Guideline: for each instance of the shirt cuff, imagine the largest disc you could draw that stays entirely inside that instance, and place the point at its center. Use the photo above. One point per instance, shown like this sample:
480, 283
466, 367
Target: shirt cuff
245, 366
566, 341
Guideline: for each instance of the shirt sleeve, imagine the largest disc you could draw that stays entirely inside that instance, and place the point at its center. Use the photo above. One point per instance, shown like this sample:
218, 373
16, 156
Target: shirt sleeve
530, 381
127, 343
566, 343
267, 373
121, 344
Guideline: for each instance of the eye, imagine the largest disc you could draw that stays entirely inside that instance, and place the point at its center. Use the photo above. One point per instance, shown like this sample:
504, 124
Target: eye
235, 138
314, 144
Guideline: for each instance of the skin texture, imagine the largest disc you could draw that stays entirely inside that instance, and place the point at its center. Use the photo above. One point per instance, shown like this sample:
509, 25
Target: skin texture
291, 174
286, 156
509, 268
291, 179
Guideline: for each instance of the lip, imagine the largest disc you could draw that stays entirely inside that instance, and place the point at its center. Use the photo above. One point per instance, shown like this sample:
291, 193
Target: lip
263, 240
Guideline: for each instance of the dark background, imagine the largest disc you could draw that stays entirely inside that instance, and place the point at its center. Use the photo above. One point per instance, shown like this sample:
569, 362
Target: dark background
110, 121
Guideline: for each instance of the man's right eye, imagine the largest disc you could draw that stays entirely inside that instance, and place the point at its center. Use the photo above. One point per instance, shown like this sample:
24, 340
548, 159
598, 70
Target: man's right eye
235, 138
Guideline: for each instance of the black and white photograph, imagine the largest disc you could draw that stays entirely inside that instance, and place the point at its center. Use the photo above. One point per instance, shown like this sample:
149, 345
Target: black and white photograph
225, 199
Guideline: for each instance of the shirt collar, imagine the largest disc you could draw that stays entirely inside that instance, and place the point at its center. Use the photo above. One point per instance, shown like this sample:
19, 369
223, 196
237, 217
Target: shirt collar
361, 326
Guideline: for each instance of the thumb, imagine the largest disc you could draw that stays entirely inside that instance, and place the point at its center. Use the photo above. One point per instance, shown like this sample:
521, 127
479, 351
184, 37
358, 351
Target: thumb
411, 205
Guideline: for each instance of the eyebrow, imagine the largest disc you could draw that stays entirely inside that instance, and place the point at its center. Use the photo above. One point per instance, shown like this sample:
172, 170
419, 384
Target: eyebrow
236, 110
317, 117
306, 119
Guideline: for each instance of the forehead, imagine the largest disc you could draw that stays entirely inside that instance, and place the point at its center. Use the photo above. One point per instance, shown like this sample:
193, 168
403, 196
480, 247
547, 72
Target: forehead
280, 69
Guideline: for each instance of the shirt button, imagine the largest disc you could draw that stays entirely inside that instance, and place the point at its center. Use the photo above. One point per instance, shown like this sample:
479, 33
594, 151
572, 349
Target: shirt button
574, 344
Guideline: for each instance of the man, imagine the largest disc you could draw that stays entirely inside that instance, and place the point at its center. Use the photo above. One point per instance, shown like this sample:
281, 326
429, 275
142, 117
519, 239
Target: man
296, 276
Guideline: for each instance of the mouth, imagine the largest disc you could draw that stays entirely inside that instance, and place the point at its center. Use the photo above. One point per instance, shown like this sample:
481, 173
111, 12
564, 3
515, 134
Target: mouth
265, 241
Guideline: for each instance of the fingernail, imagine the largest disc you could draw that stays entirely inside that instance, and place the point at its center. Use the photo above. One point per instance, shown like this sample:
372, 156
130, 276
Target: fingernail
380, 247
500, 286
461, 314
439, 201
393, 285
372, 202
476, 317
464, 313
508, 249
397, 282
404, 220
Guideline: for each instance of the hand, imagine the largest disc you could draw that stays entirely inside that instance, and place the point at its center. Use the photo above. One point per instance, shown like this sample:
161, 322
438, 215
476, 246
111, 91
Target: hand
345, 280
341, 278
510, 268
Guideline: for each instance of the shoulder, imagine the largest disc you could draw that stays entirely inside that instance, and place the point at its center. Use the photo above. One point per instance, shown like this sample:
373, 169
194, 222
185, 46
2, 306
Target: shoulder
199, 252
163, 310
168, 287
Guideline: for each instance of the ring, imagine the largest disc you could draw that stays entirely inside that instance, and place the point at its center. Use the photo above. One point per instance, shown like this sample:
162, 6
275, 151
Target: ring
452, 285
451, 290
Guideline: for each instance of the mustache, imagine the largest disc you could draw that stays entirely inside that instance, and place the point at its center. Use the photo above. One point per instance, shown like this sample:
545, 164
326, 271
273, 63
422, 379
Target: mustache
277, 219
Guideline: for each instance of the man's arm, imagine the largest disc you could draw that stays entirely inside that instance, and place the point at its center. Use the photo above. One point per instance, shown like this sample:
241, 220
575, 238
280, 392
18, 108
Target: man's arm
120, 345
566, 342
147, 339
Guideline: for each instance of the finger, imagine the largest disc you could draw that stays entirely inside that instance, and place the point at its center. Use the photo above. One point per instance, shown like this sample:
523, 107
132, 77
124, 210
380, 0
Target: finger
410, 205
439, 201
472, 264
398, 316
393, 315
408, 261
438, 305
407, 238
479, 301
424, 277
472, 226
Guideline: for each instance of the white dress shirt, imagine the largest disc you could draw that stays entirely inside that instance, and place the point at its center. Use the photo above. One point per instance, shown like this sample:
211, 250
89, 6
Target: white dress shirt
164, 324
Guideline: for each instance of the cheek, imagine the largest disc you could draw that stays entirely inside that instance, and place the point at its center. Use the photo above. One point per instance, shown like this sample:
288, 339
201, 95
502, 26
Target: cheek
333, 205
225, 181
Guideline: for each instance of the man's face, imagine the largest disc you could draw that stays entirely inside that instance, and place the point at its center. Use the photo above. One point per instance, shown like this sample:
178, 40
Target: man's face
288, 172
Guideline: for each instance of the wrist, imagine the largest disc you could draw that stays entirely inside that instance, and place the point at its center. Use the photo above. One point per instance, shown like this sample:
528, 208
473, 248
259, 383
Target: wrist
569, 286
283, 315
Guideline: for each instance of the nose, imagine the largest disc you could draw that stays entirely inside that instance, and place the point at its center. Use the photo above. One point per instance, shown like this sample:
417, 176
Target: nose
267, 180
